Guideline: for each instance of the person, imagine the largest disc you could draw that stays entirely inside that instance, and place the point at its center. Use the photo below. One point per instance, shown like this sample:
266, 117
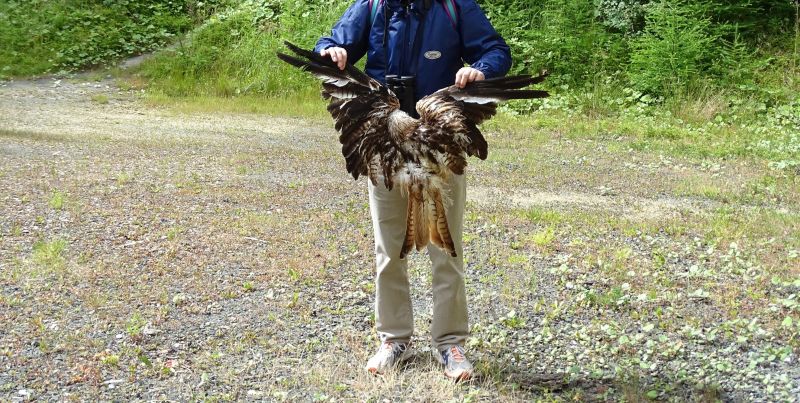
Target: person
429, 40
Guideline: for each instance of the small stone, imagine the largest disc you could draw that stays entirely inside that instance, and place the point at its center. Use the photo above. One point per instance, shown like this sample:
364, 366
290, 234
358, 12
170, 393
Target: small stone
150, 330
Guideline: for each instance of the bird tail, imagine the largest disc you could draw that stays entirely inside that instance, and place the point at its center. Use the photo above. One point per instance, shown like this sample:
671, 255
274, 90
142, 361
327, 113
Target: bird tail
439, 228
426, 221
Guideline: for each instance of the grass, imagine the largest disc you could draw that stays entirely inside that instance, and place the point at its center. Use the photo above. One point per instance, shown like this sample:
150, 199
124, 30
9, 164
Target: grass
57, 200
308, 105
49, 255
101, 99
48, 37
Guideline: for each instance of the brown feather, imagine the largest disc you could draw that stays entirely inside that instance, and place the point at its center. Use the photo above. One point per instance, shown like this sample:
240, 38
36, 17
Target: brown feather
408, 241
442, 228
421, 234
433, 228
388, 145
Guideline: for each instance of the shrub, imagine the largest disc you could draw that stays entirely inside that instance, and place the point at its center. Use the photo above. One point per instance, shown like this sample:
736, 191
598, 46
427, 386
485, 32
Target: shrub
563, 36
40, 36
674, 49
233, 53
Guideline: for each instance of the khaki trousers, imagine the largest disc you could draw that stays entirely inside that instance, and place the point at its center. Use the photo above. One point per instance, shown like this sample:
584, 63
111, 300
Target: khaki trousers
394, 318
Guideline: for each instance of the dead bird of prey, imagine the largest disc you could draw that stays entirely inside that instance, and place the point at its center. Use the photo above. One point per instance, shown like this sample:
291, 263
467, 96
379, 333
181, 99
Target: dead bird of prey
389, 146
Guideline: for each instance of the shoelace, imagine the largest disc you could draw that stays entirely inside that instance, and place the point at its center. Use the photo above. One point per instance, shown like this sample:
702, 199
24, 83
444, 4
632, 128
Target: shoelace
458, 356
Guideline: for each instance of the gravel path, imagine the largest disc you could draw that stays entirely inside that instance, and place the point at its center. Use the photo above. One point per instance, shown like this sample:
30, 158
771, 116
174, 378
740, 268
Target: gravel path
147, 254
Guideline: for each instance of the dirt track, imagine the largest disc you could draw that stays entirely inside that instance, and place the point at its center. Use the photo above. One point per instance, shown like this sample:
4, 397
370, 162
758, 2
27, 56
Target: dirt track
220, 256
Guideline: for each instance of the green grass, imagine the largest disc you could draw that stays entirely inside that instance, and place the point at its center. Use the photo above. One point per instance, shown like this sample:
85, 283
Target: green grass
230, 55
57, 200
100, 99
544, 238
49, 254
49, 36
309, 105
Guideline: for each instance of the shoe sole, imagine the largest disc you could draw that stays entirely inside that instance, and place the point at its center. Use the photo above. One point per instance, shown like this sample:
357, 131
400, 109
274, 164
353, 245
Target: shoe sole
462, 377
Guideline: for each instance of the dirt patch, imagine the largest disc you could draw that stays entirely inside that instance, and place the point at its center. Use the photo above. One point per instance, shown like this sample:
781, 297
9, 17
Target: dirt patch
628, 207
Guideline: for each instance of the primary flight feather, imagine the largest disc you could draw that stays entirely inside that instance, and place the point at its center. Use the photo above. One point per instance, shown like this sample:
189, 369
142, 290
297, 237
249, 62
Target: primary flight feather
387, 145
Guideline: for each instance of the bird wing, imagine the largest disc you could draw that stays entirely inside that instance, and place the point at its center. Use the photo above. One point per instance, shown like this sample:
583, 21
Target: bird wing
453, 114
360, 106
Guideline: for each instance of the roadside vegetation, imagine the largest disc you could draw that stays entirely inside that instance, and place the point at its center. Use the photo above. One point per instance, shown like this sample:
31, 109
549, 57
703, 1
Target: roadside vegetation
710, 78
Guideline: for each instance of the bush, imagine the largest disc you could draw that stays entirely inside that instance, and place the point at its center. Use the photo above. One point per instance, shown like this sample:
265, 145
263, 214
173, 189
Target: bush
674, 50
233, 53
598, 48
40, 36
622, 15
564, 37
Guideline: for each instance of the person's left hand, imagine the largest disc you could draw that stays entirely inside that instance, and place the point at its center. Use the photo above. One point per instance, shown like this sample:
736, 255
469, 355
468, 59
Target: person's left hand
468, 75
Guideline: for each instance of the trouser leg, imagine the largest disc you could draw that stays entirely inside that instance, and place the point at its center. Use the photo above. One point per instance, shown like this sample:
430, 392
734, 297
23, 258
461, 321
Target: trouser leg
450, 324
394, 318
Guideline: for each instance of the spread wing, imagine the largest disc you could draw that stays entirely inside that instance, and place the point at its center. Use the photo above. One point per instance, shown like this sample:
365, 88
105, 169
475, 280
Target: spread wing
360, 107
452, 114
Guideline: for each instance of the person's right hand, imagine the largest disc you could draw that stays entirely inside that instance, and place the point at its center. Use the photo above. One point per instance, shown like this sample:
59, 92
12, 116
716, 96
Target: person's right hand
338, 55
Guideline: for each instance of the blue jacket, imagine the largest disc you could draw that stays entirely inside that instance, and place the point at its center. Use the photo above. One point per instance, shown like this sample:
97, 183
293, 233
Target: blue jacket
471, 39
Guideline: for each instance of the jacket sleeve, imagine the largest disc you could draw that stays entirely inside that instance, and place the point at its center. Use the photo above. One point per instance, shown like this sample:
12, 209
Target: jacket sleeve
351, 32
482, 47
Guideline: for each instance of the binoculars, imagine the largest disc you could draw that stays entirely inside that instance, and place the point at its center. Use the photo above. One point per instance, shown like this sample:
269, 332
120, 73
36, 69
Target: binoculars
405, 89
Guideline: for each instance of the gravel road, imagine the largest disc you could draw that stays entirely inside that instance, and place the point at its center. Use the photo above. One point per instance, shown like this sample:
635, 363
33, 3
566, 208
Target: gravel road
147, 254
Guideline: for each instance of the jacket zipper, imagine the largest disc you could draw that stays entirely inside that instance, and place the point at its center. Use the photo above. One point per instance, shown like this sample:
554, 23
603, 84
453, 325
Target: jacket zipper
405, 41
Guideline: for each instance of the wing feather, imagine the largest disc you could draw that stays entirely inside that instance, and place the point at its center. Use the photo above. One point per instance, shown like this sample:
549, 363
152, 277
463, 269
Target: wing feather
360, 107
457, 112
380, 142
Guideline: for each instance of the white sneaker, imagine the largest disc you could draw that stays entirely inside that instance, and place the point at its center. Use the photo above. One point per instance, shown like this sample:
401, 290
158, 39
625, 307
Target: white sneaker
456, 365
389, 354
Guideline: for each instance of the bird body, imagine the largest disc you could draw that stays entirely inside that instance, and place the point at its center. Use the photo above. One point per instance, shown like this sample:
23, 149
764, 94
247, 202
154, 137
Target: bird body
387, 145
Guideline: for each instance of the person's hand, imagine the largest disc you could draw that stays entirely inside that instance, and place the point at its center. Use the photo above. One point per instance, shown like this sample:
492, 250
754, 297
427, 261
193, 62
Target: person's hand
338, 55
468, 75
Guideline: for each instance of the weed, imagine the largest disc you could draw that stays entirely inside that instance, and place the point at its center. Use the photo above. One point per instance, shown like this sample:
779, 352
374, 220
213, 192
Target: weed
542, 216
57, 200
173, 233
50, 255
135, 326
248, 286
123, 178
512, 321
100, 99
545, 238
517, 259
110, 360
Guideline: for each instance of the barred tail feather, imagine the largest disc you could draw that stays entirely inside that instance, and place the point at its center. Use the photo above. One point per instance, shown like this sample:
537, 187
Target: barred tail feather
442, 238
408, 241
421, 234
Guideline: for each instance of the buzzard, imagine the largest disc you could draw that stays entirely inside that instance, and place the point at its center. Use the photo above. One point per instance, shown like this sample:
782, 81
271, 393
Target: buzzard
386, 144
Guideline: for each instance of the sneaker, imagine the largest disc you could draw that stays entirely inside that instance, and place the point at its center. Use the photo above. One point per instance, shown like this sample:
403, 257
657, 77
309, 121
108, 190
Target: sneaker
456, 364
389, 354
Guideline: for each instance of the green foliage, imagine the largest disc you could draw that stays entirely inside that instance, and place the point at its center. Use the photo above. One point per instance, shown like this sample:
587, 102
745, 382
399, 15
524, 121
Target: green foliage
49, 255
233, 53
564, 37
621, 15
57, 200
674, 49
41, 36
603, 54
